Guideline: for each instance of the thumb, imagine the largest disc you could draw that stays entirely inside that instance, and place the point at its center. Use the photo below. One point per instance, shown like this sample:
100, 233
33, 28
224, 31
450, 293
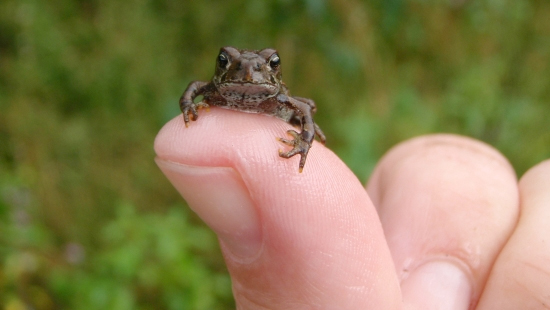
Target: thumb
290, 240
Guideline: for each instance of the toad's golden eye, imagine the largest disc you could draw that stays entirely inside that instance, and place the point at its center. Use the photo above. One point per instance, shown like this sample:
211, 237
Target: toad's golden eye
222, 60
275, 61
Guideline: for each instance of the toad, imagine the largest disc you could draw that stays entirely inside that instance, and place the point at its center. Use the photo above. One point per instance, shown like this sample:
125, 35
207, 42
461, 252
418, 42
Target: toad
251, 81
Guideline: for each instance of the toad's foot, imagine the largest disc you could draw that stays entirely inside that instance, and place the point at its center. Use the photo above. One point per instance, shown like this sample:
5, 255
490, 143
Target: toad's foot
300, 146
190, 108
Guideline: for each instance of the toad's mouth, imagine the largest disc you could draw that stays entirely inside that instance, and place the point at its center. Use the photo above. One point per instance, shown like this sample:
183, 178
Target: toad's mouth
247, 90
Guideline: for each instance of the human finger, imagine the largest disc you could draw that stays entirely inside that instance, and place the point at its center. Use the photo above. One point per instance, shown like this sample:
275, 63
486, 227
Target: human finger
447, 205
291, 240
520, 278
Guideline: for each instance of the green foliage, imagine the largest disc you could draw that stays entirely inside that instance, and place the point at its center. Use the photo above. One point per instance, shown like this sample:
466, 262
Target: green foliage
86, 85
142, 261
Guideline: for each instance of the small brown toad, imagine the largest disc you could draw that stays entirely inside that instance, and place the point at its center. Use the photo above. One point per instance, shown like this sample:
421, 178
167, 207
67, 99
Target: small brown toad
251, 81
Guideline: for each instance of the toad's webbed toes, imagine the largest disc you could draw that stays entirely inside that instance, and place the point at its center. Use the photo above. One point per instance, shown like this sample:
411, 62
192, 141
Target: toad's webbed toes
286, 141
202, 104
190, 109
300, 146
292, 142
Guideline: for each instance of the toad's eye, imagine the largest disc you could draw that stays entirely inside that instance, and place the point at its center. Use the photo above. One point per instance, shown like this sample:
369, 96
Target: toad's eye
275, 61
222, 60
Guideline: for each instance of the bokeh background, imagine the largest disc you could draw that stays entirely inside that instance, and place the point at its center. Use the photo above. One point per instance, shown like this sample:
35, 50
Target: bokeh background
87, 221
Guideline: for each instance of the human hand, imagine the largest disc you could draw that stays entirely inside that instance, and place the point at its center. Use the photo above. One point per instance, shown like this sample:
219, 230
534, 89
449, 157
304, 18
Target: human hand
443, 230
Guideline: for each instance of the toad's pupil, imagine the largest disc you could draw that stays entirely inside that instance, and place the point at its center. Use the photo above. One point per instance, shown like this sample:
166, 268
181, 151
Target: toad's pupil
222, 60
275, 62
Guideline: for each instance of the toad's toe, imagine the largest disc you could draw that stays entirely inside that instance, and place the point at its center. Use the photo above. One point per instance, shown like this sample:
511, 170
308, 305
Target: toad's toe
300, 146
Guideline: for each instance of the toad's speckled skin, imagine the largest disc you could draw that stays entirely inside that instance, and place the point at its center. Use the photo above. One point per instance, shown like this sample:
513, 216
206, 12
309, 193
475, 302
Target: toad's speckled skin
250, 81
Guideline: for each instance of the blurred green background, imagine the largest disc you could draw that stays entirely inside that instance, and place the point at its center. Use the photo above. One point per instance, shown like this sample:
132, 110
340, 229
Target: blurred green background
87, 221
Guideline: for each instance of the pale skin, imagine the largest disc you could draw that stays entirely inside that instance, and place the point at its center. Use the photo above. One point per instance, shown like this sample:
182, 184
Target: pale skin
443, 222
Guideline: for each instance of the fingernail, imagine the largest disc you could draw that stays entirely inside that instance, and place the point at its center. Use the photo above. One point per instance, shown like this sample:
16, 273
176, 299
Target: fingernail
220, 198
437, 285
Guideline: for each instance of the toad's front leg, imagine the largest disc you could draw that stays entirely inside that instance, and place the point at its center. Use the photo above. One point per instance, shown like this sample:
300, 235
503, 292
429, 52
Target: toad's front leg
187, 104
302, 141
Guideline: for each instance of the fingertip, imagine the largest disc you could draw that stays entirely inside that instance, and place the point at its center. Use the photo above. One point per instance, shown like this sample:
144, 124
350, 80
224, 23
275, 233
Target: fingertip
520, 278
537, 177
445, 197
320, 237
220, 198
446, 146
168, 135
